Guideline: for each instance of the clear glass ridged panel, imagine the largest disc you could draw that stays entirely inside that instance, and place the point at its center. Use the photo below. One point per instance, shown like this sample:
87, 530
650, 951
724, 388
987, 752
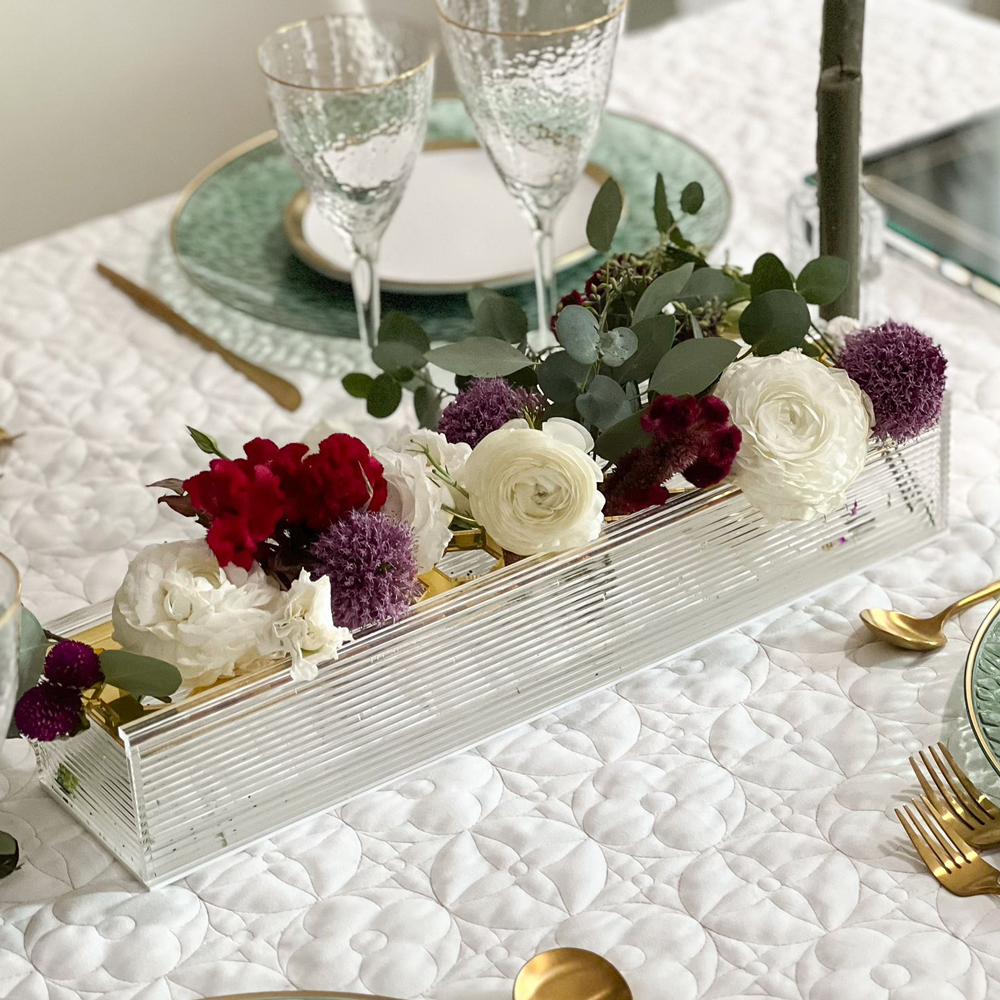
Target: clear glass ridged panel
255, 755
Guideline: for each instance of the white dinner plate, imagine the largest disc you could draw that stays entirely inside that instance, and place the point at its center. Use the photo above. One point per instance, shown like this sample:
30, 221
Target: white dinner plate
457, 226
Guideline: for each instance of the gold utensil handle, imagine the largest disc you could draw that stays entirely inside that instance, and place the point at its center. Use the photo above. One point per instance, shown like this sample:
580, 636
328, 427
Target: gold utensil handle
281, 391
993, 590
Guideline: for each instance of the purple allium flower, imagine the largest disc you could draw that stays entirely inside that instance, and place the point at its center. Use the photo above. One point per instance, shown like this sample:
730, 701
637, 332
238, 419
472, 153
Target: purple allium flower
73, 665
485, 406
903, 372
372, 566
47, 712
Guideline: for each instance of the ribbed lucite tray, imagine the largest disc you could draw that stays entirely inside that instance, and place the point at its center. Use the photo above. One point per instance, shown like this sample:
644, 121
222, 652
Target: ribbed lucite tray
188, 783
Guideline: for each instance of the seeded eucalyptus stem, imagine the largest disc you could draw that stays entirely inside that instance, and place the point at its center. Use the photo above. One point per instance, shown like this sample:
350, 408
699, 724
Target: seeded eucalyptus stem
838, 144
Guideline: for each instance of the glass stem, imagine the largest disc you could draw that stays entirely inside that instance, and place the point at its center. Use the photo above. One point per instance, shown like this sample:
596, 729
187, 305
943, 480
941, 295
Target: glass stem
545, 280
367, 299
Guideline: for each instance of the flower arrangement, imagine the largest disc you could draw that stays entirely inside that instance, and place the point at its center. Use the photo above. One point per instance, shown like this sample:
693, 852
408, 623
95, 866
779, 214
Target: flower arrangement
667, 374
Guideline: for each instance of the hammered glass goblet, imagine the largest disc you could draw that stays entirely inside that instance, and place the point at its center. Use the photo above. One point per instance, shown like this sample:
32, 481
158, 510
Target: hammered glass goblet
534, 76
10, 633
350, 96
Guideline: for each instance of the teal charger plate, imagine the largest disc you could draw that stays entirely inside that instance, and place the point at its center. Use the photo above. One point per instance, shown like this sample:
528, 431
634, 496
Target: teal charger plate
227, 230
982, 686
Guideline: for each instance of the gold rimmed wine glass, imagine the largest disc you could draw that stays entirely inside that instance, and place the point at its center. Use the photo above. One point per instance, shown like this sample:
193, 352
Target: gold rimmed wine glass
350, 96
534, 77
10, 632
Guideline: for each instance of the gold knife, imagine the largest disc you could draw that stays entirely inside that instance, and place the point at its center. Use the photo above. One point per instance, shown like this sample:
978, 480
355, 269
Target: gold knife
282, 392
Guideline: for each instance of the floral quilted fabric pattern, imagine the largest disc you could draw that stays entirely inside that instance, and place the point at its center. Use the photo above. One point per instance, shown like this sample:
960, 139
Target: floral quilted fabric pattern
720, 827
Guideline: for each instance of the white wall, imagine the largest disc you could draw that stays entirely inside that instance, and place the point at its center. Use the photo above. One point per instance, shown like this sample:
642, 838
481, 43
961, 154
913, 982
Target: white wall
105, 103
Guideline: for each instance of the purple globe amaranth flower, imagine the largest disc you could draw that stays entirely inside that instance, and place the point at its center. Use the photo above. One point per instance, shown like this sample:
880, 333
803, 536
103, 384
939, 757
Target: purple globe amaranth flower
73, 665
47, 712
372, 565
485, 406
903, 372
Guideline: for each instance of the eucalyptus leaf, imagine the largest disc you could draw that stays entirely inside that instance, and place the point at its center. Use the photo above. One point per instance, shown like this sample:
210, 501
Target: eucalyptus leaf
692, 198
427, 406
499, 316
576, 329
394, 355
482, 357
769, 273
561, 378
707, 284
10, 854
527, 378
385, 396
605, 214
567, 409
357, 384
31, 651
604, 403
661, 208
399, 328
622, 437
139, 675
205, 442
775, 321
823, 279
654, 336
692, 366
617, 346
664, 290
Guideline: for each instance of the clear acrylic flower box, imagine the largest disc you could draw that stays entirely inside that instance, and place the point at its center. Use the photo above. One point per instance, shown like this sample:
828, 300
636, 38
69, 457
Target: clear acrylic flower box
191, 782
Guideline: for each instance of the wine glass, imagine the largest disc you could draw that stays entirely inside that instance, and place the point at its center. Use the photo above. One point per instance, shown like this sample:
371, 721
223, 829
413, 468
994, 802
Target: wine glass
350, 96
10, 633
534, 77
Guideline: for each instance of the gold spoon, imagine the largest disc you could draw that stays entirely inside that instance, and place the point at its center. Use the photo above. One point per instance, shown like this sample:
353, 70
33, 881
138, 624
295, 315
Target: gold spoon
908, 632
570, 974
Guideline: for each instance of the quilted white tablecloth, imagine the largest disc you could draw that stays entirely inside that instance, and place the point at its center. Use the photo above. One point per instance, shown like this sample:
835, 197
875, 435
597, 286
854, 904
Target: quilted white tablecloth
718, 828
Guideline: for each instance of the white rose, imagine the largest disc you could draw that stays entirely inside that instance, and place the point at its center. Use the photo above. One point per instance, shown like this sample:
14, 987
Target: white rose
303, 627
536, 490
178, 605
805, 433
436, 450
413, 498
837, 330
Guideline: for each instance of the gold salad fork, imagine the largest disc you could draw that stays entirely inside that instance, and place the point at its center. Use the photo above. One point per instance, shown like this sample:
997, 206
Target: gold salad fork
960, 807
948, 856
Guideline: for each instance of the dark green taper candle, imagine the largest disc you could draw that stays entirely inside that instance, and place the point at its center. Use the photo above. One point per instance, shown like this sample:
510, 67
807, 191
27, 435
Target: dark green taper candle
838, 144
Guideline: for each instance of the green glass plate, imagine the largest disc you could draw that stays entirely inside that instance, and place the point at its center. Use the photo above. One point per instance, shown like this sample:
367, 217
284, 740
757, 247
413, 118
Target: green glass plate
982, 686
228, 235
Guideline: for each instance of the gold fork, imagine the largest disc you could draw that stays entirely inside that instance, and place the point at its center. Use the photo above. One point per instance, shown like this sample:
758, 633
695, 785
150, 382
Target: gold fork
959, 805
948, 857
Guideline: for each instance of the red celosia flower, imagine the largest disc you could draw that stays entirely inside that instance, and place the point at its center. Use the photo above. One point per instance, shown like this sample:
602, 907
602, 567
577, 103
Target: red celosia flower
248, 501
691, 436
342, 476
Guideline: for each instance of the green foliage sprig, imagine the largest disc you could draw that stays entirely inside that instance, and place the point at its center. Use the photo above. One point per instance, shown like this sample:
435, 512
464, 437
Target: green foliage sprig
661, 322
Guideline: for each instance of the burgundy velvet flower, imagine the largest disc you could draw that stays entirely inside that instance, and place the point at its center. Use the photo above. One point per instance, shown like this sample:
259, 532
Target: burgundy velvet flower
691, 436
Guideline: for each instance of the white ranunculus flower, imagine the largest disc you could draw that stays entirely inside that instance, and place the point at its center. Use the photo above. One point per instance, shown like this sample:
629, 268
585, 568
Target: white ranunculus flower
178, 605
837, 330
303, 627
443, 454
536, 490
805, 433
413, 498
